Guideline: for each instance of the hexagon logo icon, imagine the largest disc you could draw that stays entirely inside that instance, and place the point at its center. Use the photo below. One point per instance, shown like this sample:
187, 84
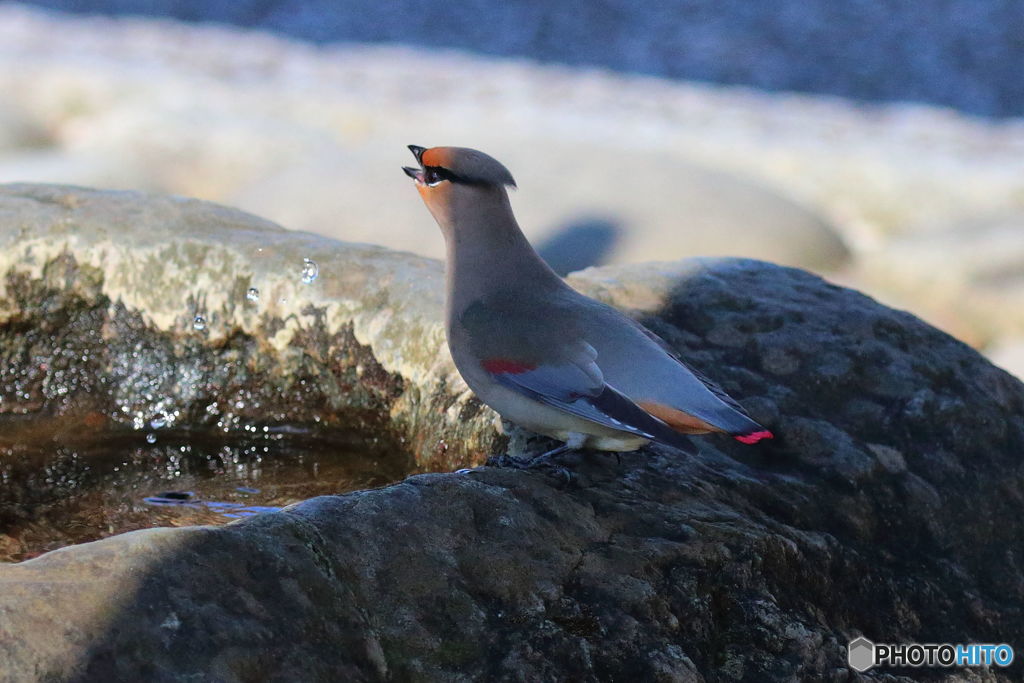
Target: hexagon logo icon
861, 654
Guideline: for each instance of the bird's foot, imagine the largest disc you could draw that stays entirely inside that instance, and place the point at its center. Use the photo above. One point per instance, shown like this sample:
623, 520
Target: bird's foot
542, 463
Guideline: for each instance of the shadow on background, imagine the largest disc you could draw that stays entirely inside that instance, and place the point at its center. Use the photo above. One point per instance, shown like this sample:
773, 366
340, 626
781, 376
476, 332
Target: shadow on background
584, 243
959, 53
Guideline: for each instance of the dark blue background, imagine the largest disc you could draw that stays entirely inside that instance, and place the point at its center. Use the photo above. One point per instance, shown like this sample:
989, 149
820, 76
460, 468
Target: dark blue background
967, 54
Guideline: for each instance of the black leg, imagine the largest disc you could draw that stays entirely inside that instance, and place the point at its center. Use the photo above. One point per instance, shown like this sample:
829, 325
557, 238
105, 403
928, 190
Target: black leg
564, 448
538, 462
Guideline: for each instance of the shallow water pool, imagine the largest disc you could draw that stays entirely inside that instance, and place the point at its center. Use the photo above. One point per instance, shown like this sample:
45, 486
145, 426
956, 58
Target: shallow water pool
56, 492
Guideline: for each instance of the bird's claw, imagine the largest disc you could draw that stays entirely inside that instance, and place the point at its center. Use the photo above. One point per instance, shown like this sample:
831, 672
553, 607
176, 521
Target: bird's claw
540, 463
504, 460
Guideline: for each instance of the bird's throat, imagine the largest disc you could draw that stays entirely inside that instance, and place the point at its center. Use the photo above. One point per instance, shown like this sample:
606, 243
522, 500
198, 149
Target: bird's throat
488, 257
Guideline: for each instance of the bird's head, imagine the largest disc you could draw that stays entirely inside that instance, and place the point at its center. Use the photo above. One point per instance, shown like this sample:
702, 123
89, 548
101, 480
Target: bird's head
456, 181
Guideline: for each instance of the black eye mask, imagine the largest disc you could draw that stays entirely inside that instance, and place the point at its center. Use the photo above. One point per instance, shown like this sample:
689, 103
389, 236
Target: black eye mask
432, 175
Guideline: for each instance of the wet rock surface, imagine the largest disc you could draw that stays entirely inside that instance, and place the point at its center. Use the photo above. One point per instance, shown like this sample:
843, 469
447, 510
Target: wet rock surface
889, 505
122, 311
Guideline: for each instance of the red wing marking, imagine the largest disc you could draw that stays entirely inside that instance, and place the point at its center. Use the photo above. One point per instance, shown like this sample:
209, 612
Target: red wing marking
502, 366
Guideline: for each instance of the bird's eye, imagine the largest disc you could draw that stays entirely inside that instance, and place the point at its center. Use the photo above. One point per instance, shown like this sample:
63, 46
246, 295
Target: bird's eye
434, 175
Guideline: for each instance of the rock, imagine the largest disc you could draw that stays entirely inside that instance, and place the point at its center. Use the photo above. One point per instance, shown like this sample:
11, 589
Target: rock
1009, 355
56, 166
284, 128
120, 307
660, 208
347, 194
18, 130
668, 208
905, 53
889, 505
975, 295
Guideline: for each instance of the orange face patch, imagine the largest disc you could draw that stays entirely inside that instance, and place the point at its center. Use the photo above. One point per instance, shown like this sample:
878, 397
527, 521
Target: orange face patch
437, 198
437, 156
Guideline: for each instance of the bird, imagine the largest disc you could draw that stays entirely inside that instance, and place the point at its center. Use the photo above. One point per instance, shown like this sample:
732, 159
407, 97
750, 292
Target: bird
543, 355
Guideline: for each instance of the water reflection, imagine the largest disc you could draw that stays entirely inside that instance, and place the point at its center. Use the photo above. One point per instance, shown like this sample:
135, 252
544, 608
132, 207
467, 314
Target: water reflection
229, 510
55, 493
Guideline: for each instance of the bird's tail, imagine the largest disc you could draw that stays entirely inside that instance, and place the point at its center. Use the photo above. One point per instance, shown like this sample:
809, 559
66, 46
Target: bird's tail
753, 437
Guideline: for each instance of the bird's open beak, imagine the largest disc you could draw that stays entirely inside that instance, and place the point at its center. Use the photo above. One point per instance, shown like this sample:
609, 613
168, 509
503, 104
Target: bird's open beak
416, 173
417, 152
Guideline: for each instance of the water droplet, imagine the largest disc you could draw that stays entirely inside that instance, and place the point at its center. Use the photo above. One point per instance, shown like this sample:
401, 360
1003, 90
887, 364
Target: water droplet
199, 322
252, 294
159, 420
151, 438
309, 270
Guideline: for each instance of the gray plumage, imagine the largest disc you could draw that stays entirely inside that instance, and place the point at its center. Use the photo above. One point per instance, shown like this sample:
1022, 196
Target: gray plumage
541, 354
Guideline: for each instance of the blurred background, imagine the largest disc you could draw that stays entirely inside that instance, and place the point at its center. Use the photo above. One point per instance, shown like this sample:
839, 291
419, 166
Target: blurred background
879, 144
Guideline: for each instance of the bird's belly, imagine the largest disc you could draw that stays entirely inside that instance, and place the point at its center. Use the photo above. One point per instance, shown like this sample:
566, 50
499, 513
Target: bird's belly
553, 422
539, 417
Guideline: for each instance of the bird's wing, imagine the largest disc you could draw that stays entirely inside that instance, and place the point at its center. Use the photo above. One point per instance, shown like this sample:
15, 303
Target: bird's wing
542, 358
705, 380
642, 366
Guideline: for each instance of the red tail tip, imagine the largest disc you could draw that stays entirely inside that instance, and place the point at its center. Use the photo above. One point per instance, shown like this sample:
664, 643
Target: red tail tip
754, 437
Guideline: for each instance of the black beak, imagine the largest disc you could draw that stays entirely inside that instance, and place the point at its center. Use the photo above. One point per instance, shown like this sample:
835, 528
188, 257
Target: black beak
417, 152
413, 173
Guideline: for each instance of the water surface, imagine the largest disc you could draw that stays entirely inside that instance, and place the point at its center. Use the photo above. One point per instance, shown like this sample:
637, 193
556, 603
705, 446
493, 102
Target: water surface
57, 489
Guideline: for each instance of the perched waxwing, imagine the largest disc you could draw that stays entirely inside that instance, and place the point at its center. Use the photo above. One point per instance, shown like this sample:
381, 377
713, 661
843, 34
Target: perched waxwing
540, 353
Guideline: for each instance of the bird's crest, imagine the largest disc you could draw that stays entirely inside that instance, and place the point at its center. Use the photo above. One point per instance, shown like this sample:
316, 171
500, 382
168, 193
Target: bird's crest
461, 164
